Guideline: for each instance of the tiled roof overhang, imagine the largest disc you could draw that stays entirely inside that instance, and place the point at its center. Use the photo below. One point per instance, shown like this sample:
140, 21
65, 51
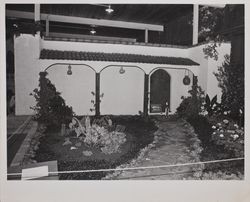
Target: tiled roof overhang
114, 57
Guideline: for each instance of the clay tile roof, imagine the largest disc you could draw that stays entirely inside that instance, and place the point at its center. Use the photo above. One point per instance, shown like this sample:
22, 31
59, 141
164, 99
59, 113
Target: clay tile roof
114, 57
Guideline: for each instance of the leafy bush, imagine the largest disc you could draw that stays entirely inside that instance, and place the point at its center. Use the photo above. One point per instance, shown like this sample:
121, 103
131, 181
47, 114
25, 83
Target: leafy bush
50, 107
191, 106
231, 81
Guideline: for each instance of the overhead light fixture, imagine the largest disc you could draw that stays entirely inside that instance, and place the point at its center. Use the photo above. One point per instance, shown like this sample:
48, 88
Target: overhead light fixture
69, 72
92, 31
122, 71
109, 9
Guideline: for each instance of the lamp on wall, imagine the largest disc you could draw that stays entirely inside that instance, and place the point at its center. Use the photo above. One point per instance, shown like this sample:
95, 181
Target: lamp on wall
122, 71
69, 72
186, 79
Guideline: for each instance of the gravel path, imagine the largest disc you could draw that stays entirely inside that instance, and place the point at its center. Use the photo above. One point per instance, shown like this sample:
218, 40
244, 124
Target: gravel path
176, 143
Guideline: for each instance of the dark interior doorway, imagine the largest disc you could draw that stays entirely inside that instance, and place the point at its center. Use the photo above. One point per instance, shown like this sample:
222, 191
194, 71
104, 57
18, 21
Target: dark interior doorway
159, 91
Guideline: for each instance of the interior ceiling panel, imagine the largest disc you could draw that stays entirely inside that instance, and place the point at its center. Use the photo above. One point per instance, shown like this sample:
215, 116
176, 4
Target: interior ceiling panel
143, 13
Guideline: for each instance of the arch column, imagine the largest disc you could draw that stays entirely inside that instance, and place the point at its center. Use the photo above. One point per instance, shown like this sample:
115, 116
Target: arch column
145, 104
97, 94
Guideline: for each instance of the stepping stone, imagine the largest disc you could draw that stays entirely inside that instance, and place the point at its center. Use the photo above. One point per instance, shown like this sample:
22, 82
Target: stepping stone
78, 144
87, 153
67, 142
120, 128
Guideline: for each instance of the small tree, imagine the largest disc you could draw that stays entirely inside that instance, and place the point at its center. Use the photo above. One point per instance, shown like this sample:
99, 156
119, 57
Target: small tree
50, 107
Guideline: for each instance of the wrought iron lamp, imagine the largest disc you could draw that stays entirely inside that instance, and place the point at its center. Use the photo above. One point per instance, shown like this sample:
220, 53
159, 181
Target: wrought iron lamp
122, 71
69, 72
186, 79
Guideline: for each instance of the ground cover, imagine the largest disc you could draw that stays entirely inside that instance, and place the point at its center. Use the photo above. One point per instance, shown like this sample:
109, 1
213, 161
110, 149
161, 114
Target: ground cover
139, 133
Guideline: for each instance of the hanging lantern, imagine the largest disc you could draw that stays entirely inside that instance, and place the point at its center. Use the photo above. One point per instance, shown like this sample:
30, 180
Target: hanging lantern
69, 72
186, 79
122, 71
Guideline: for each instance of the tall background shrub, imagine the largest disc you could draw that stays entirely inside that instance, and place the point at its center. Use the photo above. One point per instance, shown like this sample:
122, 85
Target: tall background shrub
231, 81
50, 107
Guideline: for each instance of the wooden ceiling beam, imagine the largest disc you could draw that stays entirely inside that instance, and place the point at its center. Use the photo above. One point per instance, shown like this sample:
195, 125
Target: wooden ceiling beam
86, 21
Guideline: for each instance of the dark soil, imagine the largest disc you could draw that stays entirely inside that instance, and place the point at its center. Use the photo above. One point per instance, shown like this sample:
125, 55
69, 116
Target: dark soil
139, 133
211, 151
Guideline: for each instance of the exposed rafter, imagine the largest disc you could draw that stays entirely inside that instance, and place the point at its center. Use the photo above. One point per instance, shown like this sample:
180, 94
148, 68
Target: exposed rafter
86, 21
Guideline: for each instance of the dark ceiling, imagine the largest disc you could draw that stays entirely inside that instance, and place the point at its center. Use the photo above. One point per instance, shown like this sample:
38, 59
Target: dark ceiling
175, 17
143, 13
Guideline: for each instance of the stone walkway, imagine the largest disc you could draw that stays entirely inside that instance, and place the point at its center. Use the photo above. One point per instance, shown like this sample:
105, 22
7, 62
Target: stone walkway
17, 129
176, 143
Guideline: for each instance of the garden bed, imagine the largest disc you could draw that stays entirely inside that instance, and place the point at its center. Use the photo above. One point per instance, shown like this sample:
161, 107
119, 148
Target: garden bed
212, 151
139, 133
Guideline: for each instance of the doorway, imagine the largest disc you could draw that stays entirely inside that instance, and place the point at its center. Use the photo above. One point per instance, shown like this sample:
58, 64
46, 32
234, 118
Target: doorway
159, 91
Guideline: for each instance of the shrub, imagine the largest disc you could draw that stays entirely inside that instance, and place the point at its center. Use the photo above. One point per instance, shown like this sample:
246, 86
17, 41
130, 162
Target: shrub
191, 106
50, 107
231, 81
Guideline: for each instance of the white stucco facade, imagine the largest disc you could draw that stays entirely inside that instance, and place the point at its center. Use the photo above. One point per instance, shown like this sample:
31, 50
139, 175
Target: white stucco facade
208, 66
123, 93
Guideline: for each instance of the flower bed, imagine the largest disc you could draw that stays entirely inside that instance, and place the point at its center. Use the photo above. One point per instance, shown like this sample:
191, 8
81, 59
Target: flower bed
228, 134
139, 133
217, 147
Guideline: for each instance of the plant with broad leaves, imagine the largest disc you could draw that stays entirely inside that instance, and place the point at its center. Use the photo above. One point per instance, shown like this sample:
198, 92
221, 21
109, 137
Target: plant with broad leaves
212, 106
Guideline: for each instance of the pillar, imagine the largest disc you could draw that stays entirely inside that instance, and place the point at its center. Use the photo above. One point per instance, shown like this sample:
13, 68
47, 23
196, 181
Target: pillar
43, 93
146, 35
97, 94
37, 13
195, 23
145, 104
47, 26
195, 80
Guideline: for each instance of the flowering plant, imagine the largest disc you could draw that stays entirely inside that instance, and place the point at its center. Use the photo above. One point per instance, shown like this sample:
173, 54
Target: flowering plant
230, 135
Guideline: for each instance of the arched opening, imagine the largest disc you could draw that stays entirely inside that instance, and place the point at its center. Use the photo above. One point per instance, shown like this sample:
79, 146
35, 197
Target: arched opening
123, 90
159, 91
76, 88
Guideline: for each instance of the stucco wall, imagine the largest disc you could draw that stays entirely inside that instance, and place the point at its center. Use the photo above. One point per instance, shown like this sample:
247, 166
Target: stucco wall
27, 69
76, 88
212, 82
114, 48
208, 66
196, 54
123, 93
